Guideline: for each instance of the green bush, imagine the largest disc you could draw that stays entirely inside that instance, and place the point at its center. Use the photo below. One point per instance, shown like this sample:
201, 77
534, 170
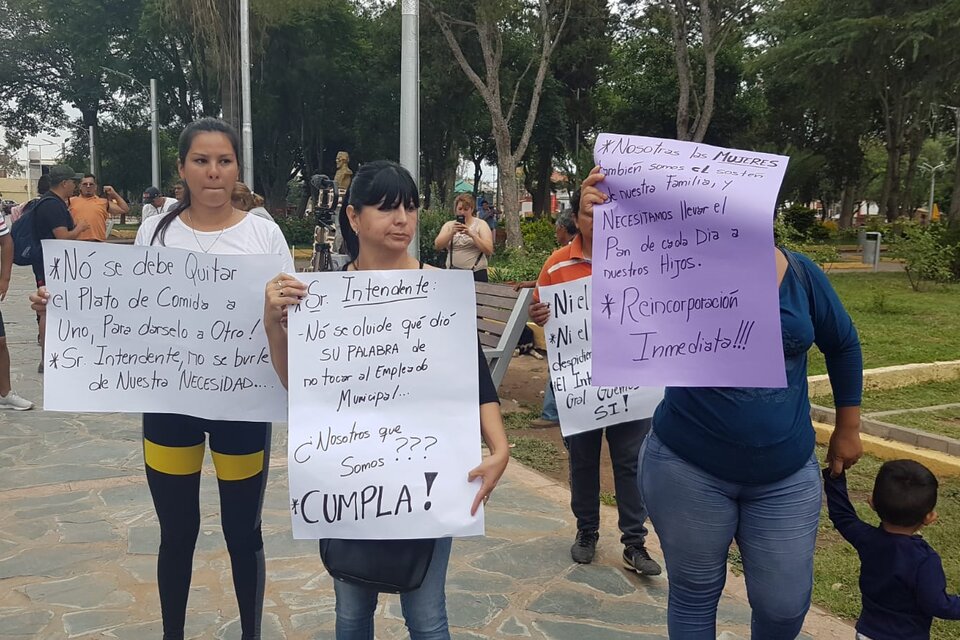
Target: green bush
297, 230
517, 265
539, 235
926, 253
430, 222
801, 218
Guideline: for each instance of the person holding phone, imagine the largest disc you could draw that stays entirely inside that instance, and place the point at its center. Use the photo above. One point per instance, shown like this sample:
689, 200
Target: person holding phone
467, 239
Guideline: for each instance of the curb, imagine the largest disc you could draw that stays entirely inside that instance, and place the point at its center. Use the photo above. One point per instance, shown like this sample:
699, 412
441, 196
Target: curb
939, 463
895, 376
887, 431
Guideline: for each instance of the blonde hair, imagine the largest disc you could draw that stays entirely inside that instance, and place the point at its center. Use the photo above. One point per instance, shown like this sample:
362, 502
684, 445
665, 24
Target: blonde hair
242, 197
465, 197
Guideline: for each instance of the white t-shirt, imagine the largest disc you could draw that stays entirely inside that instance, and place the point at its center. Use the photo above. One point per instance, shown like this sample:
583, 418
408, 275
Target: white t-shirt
149, 211
251, 236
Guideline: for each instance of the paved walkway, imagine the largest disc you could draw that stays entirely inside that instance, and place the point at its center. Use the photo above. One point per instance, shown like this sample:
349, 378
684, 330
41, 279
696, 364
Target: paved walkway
78, 543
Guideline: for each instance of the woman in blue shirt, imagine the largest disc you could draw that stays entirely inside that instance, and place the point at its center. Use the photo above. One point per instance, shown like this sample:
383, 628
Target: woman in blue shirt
724, 464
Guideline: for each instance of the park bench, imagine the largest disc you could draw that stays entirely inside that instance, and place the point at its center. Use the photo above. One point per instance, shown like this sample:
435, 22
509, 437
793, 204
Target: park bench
501, 317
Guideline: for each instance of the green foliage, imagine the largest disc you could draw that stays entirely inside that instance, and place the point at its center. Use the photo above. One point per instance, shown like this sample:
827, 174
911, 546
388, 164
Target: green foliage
539, 235
430, 223
517, 265
913, 327
297, 230
800, 218
927, 256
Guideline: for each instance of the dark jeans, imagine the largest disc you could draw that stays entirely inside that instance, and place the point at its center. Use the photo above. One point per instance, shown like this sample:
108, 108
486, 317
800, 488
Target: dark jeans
624, 441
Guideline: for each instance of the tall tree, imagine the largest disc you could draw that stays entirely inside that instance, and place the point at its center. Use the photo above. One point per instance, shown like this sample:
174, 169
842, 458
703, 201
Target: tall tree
894, 48
488, 21
700, 29
50, 56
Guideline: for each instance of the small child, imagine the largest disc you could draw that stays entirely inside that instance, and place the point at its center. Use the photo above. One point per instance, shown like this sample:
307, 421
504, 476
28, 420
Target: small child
901, 578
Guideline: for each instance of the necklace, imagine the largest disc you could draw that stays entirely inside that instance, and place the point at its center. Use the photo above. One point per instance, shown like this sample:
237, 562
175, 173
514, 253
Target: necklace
197, 238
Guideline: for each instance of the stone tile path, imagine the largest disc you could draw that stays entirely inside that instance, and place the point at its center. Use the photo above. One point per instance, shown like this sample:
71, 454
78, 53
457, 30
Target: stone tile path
78, 543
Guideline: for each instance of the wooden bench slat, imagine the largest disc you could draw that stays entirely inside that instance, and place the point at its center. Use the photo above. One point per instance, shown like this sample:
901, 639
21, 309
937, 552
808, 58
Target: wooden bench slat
493, 313
496, 328
496, 301
504, 290
489, 340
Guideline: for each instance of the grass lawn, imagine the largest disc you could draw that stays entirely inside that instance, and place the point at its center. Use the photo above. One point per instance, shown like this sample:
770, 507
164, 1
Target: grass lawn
946, 422
896, 324
927, 394
836, 566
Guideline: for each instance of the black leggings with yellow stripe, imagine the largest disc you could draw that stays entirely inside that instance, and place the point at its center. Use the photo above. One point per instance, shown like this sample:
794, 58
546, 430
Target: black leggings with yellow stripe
173, 449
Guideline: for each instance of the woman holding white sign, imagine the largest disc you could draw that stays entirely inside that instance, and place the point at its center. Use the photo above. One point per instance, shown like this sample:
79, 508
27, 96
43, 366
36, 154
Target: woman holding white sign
173, 445
378, 223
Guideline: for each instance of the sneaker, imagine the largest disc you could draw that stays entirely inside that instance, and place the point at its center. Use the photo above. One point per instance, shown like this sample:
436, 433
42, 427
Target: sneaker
636, 558
540, 423
585, 547
15, 402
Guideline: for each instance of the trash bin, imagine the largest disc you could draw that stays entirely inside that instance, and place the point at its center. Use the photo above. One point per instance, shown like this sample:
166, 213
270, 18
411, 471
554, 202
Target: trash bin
871, 248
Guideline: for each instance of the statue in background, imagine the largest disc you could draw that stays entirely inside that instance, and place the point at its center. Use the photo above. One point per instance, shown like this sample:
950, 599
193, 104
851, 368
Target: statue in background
344, 175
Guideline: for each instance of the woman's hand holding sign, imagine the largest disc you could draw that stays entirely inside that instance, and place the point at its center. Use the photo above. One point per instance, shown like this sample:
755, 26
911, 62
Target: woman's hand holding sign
281, 292
493, 466
38, 300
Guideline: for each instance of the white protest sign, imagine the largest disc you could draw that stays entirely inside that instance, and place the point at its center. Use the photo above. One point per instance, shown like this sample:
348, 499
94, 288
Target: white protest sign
583, 407
384, 411
155, 329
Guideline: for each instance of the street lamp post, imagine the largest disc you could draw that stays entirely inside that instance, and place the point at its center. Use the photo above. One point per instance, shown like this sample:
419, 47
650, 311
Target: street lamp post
928, 168
410, 99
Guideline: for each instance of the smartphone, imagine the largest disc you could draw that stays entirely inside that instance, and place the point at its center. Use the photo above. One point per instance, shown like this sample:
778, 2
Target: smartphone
461, 219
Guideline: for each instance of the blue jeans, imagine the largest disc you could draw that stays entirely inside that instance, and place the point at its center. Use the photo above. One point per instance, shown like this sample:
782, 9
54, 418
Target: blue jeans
424, 609
697, 515
549, 411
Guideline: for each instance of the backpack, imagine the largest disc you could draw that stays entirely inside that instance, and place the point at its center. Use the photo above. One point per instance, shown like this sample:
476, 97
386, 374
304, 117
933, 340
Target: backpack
26, 240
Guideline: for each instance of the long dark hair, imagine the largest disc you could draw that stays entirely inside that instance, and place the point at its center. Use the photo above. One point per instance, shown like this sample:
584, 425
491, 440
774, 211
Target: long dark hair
383, 184
191, 131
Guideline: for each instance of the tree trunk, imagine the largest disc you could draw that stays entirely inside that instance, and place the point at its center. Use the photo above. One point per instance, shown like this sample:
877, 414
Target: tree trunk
907, 203
891, 185
953, 217
681, 57
477, 176
847, 204
544, 189
510, 203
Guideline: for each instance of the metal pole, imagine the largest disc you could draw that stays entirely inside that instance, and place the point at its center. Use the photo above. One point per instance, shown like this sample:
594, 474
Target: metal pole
246, 132
93, 153
154, 137
410, 100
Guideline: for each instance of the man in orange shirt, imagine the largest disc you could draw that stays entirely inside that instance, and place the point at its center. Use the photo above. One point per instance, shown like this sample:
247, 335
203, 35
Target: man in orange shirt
95, 211
572, 262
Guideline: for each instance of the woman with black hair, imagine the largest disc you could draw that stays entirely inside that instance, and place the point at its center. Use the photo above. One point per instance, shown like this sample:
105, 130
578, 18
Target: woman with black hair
173, 445
378, 222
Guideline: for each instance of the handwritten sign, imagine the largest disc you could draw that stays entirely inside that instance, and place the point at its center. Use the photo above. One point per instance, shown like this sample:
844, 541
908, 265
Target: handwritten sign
384, 411
685, 284
155, 329
583, 407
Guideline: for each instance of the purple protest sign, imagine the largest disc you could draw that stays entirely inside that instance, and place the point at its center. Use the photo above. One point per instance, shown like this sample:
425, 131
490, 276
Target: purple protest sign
684, 275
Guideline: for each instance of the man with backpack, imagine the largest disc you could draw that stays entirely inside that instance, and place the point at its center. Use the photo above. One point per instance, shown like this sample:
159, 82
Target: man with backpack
48, 219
